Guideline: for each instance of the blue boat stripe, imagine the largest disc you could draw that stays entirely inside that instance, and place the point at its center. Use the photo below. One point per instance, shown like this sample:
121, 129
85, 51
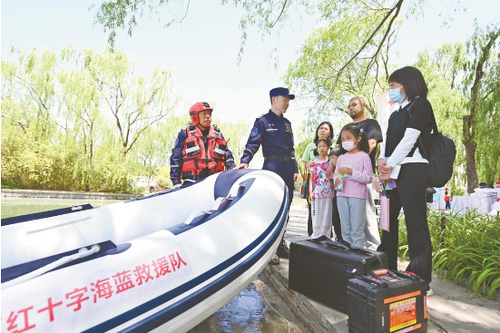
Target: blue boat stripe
172, 311
46, 214
182, 227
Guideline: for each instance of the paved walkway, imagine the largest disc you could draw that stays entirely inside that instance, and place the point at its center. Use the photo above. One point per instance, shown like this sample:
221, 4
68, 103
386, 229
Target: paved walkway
451, 309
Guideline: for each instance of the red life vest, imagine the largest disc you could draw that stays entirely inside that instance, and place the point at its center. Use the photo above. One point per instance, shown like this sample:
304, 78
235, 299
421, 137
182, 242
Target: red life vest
198, 159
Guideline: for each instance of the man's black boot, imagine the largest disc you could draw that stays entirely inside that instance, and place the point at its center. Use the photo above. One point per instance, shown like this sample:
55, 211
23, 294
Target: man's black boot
283, 250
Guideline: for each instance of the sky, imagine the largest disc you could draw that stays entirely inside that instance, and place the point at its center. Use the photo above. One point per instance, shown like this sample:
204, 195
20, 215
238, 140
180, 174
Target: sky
202, 52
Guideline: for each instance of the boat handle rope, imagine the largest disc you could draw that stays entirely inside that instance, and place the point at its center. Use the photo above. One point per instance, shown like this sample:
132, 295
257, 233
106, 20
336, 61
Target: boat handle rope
217, 203
82, 253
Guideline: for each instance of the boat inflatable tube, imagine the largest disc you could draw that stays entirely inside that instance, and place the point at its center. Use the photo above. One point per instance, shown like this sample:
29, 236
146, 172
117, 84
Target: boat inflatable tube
160, 263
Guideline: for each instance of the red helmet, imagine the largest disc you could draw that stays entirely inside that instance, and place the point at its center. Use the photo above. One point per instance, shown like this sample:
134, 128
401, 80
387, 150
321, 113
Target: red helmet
196, 109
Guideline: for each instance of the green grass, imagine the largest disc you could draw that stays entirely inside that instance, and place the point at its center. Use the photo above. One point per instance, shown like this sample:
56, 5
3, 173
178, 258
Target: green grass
466, 251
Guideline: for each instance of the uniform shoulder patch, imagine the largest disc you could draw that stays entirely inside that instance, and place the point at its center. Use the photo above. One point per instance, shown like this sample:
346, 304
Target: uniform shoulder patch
254, 131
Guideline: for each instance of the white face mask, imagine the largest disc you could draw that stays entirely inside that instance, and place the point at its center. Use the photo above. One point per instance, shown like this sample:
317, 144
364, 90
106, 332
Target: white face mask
348, 145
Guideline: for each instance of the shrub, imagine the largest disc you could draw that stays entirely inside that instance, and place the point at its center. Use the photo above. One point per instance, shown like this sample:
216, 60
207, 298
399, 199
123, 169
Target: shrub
467, 249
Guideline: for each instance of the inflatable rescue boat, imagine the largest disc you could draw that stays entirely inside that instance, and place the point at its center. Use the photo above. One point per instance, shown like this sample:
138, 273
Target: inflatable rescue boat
160, 263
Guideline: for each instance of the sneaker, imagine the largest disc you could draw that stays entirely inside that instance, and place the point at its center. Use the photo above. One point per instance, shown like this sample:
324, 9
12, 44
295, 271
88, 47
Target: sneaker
275, 260
430, 292
283, 250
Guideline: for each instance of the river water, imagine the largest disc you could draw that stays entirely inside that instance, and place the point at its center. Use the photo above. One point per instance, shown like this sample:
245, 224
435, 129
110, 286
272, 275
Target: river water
15, 206
257, 308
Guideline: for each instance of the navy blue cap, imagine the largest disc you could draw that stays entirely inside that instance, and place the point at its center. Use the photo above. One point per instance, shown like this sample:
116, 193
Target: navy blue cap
280, 91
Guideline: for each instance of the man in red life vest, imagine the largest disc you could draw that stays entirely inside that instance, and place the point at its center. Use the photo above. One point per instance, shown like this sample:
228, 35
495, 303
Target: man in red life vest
200, 150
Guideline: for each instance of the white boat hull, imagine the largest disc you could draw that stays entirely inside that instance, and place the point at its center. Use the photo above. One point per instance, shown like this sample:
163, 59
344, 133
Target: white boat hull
168, 279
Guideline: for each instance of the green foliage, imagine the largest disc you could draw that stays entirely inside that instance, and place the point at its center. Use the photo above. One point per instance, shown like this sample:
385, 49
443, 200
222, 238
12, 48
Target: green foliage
466, 102
349, 56
468, 249
237, 135
299, 152
484, 46
28, 94
163, 177
345, 57
325, 65
40, 166
120, 14
86, 122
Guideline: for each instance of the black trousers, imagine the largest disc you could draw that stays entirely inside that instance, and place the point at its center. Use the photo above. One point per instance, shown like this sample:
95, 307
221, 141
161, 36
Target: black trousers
309, 219
410, 194
336, 219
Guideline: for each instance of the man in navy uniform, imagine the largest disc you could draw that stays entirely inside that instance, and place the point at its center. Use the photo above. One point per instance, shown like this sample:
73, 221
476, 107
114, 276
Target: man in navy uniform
200, 150
274, 133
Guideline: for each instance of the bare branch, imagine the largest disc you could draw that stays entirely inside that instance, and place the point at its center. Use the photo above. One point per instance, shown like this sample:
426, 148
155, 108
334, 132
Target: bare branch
187, 10
397, 6
279, 16
386, 34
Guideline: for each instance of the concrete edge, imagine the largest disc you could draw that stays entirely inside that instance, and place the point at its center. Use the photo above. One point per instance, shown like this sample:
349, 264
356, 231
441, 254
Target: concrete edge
464, 283
311, 317
317, 317
66, 194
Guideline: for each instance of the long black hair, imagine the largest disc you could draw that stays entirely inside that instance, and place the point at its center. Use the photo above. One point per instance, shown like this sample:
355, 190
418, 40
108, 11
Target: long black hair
328, 144
412, 80
317, 129
358, 132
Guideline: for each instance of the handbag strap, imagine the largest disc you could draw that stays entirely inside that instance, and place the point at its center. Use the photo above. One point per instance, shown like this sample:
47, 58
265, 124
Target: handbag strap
306, 171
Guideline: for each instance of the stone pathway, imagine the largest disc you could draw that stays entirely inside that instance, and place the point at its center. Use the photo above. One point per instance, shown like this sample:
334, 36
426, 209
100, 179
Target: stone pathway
452, 308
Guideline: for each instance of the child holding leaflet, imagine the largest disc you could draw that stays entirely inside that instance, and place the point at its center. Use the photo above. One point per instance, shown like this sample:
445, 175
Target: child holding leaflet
354, 170
320, 192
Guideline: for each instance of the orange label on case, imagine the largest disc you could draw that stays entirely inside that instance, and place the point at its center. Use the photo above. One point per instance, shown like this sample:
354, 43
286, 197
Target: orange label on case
402, 314
425, 307
400, 297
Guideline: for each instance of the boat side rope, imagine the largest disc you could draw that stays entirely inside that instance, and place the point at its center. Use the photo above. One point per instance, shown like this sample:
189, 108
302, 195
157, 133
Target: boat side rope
82, 253
217, 203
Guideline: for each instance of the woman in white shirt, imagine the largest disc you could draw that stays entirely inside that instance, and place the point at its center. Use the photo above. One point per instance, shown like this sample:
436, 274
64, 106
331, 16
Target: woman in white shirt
402, 158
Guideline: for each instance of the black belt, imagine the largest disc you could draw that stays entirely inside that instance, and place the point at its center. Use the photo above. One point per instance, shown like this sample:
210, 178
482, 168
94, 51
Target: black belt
203, 174
279, 158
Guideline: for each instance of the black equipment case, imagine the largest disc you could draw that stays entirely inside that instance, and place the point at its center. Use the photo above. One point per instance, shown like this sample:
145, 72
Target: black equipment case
387, 301
321, 269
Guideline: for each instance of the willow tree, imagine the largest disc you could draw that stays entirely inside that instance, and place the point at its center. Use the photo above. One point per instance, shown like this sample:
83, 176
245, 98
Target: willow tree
80, 108
349, 55
465, 94
31, 153
28, 93
155, 148
481, 123
134, 103
328, 70
70, 122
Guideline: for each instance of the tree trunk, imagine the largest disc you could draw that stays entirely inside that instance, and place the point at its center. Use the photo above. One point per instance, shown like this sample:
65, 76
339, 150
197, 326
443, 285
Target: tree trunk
470, 167
469, 124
